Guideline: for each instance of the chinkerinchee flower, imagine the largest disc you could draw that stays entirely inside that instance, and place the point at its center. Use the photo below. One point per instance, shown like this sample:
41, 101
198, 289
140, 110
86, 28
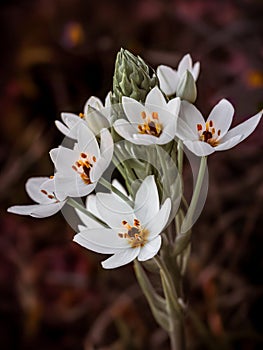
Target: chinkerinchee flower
42, 191
80, 168
152, 123
95, 115
205, 137
169, 78
133, 232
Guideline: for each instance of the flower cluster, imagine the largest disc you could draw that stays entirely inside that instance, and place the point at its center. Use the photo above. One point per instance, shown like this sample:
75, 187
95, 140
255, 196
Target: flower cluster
145, 112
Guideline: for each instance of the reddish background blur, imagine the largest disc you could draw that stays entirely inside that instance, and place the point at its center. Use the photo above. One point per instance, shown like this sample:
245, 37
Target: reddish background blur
54, 55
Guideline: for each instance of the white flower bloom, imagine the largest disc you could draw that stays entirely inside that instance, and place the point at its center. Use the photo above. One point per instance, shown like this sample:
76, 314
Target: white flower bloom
41, 190
96, 116
152, 123
205, 137
133, 232
169, 78
80, 168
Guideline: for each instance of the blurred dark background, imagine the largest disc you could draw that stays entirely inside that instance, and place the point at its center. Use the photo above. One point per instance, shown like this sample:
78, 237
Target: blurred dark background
54, 55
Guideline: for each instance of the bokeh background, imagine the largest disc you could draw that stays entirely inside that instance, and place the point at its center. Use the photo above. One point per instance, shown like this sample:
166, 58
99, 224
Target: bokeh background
54, 55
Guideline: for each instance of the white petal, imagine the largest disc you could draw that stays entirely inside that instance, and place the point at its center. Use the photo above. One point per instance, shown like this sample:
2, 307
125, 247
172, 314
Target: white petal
125, 129
114, 210
168, 133
71, 186
156, 225
229, 143
78, 238
245, 129
33, 188
63, 158
199, 148
121, 258
195, 70
168, 79
94, 102
105, 238
106, 152
119, 187
185, 64
146, 200
133, 110
173, 106
189, 118
222, 115
144, 139
155, 98
62, 128
150, 249
87, 142
92, 208
36, 210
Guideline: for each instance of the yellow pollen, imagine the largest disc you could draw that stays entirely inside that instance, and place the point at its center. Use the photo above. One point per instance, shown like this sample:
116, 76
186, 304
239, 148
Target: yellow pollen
210, 134
150, 125
81, 115
135, 235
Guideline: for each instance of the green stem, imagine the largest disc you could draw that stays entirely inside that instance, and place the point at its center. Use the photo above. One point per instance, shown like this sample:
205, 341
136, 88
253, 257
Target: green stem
112, 188
169, 283
180, 157
74, 204
192, 207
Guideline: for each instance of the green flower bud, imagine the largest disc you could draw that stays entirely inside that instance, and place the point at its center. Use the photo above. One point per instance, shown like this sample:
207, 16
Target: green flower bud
186, 89
132, 77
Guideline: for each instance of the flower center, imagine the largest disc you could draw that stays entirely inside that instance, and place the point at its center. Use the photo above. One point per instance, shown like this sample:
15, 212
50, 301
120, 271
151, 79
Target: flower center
209, 135
151, 125
83, 167
136, 235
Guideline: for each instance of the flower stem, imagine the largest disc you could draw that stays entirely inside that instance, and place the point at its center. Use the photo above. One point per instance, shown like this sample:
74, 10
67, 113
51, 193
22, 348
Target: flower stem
187, 224
112, 188
180, 157
74, 204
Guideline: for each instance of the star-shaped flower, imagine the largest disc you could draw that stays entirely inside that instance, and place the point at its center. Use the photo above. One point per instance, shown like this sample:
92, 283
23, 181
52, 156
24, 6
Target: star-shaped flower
96, 116
205, 137
133, 232
169, 78
152, 123
80, 168
42, 191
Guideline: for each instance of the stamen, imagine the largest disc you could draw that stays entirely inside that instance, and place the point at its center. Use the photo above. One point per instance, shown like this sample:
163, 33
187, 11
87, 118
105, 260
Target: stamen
136, 235
44, 191
81, 115
155, 115
83, 155
143, 115
94, 159
151, 125
208, 134
50, 196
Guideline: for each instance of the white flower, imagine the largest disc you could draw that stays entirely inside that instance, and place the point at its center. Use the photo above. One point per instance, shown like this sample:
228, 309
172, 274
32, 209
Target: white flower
133, 232
79, 170
205, 137
41, 190
95, 115
169, 78
152, 123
